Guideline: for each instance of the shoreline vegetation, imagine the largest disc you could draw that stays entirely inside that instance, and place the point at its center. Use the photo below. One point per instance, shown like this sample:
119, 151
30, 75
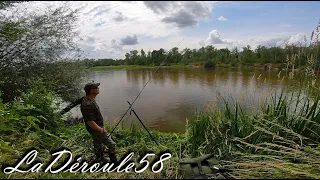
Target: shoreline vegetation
196, 65
281, 57
98, 68
281, 140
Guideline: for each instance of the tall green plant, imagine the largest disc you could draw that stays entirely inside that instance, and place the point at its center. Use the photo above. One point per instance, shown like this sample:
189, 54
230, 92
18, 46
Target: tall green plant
35, 110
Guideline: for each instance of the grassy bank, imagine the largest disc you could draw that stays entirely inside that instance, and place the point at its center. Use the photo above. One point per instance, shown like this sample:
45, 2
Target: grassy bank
281, 140
78, 140
32, 120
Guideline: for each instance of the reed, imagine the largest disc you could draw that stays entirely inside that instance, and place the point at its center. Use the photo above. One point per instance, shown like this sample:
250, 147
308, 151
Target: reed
272, 142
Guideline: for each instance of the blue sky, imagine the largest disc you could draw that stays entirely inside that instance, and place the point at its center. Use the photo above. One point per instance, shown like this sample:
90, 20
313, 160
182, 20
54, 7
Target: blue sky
112, 28
253, 17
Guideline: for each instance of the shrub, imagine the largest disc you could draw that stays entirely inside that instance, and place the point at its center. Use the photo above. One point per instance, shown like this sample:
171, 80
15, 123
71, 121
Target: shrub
210, 64
35, 110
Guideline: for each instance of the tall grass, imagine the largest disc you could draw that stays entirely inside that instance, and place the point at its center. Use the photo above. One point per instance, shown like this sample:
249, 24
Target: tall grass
281, 140
79, 141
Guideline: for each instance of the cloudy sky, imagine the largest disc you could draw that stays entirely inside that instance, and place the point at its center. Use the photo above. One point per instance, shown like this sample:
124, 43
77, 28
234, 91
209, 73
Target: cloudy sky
110, 29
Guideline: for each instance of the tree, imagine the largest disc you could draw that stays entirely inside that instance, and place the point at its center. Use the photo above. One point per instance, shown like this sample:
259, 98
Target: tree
247, 55
31, 44
258, 51
127, 59
223, 55
186, 55
133, 57
158, 56
8, 4
210, 52
149, 60
143, 59
176, 56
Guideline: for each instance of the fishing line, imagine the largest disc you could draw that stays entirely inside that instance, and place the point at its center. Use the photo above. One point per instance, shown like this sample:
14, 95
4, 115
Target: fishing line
143, 89
130, 107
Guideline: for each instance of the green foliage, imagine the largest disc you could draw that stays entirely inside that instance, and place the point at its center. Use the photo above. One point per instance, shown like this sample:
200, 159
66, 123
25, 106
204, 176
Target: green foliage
65, 78
107, 62
210, 64
280, 133
35, 46
32, 111
11, 30
8, 4
262, 55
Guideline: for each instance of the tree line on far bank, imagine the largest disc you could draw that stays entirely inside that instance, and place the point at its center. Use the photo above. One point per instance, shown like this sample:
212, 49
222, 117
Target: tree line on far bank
280, 56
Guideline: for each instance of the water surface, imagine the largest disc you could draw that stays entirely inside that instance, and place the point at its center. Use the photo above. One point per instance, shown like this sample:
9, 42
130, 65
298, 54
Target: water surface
173, 95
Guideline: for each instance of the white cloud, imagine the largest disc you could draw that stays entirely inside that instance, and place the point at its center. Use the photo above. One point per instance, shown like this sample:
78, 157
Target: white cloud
116, 46
119, 17
221, 18
97, 26
269, 40
139, 20
298, 39
202, 42
104, 25
214, 39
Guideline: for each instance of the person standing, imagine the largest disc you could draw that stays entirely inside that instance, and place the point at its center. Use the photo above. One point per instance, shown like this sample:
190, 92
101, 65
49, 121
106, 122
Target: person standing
94, 123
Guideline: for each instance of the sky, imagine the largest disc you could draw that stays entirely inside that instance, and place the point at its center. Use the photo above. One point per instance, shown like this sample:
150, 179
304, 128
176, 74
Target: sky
110, 29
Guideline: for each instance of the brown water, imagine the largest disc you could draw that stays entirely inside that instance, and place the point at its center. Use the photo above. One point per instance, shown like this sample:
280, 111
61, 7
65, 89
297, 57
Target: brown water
173, 95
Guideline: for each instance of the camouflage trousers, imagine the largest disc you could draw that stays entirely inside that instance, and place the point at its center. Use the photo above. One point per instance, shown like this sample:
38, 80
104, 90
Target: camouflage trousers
100, 140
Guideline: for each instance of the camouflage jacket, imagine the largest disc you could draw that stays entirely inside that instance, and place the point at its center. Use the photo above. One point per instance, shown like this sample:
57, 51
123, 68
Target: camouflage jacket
91, 112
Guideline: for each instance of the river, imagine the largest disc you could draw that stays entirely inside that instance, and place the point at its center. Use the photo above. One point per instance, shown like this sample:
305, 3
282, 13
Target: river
174, 94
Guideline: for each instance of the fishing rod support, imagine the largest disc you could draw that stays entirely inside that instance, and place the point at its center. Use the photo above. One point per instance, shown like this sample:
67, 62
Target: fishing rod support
136, 99
132, 110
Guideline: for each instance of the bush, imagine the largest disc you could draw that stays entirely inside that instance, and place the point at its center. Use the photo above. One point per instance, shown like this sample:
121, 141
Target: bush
32, 45
210, 64
35, 110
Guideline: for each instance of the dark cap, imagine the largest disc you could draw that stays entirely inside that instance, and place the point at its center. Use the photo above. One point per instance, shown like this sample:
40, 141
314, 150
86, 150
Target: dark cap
89, 86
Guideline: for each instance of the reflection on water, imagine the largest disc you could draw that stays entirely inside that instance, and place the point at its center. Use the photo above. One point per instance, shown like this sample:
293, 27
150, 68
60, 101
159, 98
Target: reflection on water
174, 94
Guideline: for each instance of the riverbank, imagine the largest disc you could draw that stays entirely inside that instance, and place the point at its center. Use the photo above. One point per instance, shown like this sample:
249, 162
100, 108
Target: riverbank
79, 142
99, 68
273, 143
196, 65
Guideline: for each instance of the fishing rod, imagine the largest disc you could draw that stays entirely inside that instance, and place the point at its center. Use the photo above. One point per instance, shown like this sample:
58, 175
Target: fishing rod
130, 107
